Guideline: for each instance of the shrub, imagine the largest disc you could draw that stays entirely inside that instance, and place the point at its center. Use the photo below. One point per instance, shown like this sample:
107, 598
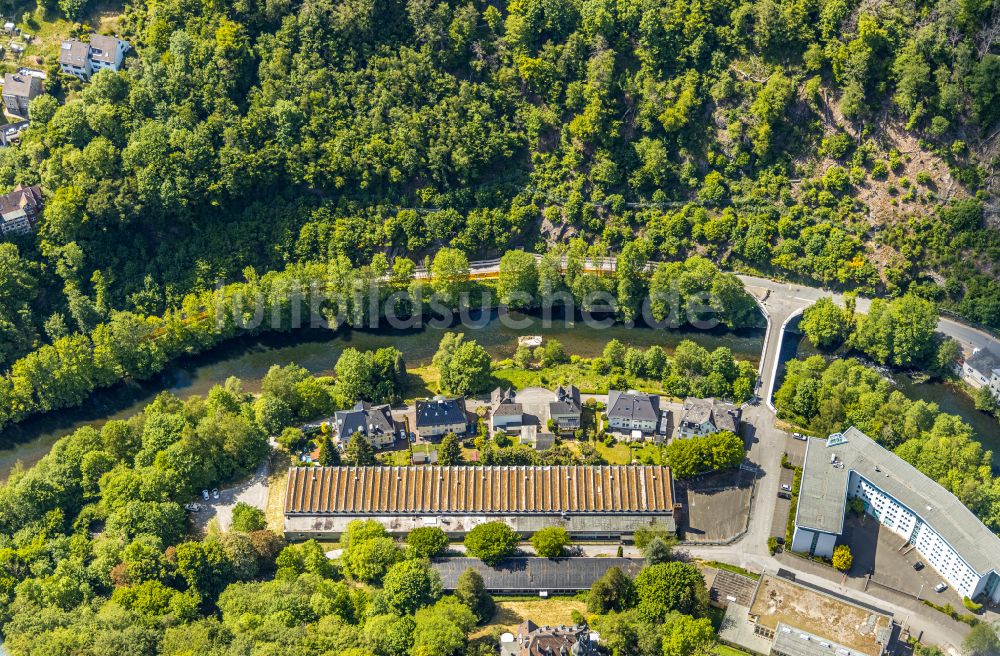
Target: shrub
247, 519
550, 542
842, 558
971, 605
427, 541
491, 542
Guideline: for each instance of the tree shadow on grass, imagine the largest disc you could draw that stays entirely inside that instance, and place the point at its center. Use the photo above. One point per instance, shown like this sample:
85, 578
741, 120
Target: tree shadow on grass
505, 616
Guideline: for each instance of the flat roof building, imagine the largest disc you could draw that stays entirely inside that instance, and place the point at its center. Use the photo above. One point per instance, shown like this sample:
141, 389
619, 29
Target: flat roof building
947, 534
531, 575
784, 618
607, 502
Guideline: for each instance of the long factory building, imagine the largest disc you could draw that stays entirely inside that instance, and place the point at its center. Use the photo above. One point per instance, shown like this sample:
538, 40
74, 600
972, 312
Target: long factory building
607, 502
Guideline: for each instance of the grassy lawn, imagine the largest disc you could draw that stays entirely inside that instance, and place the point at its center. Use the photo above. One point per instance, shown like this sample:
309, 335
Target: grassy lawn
618, 454
421, 382
648, 454
577, 373
276, 480
394, 458
726, 650
551, 612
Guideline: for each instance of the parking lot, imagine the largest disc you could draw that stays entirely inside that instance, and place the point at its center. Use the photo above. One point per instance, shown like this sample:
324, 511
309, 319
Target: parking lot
715, 506
795, 450
782, 506
877, 551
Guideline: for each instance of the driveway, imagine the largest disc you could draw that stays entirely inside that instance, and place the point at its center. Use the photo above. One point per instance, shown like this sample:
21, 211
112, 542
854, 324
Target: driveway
251, 491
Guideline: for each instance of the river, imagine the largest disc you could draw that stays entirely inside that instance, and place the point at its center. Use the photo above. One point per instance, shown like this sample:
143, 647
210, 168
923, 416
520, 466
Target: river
949, 396
249, 358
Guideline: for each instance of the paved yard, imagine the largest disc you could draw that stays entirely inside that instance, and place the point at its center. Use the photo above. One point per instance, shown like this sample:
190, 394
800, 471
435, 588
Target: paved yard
252, 491
796, 450
876, 550
535, 405
715, 506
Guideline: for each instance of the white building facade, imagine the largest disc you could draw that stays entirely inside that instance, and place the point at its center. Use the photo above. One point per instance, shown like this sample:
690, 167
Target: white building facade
982, 369
943, 531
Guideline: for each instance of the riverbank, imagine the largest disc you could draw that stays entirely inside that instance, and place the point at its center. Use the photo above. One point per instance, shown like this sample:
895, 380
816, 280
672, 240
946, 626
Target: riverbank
949, 396
249, 357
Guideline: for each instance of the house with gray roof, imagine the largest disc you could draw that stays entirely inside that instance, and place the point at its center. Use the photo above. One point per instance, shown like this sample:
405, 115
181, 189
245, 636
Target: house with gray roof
18, 91
534, 640
566, 409
948, 535
708, 416
373, 422
439, 416
982, 369
632, 411
505, 412
82, 60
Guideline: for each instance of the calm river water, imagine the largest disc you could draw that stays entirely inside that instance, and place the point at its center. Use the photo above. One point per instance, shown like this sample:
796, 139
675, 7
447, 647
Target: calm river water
949, 397
249, 358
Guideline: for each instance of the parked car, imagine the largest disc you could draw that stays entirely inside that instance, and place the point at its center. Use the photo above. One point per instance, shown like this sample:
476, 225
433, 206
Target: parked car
784, 495
919, 565
204, 495
192, 507
940, 587
786, 487
215, 493
799, 436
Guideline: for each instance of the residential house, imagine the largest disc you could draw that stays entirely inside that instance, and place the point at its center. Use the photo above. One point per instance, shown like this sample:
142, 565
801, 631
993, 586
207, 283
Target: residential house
982, 369
633, 412
566, 409
19, 210
82, 60
74, 59
439, 416
505, 413
18, 91
374, 422
708, 416
534, 640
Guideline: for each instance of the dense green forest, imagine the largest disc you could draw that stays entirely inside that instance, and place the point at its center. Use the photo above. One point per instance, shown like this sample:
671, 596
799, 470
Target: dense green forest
846, 143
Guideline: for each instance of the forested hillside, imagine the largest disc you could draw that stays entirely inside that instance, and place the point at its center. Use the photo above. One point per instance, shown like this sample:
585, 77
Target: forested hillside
849, 143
